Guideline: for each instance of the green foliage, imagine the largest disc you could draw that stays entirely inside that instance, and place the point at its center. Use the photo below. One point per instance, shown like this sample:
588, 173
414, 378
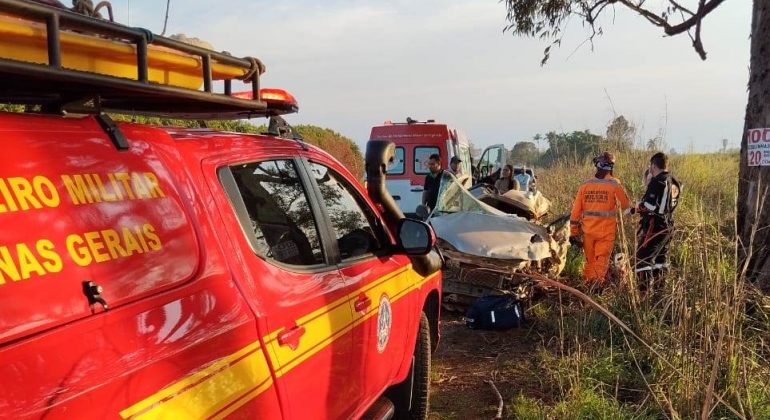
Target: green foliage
576, 260
524, 152
620, 135
343, 148
11, 108
588, 404
541, 19
580, 404
527, 408
576, 147
235, 126
759, 399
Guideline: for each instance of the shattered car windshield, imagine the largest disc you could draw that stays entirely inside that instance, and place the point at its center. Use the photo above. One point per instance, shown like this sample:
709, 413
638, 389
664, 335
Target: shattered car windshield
453, 198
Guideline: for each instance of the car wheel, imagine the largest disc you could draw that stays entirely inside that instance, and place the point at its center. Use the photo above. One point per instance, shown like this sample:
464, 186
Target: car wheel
411, 396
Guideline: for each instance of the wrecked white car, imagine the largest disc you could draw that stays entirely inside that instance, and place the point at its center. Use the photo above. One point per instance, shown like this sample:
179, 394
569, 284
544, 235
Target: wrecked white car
488, 249
531, 205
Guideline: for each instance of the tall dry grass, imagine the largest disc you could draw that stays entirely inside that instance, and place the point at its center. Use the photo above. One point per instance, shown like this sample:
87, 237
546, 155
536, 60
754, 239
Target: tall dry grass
702, 343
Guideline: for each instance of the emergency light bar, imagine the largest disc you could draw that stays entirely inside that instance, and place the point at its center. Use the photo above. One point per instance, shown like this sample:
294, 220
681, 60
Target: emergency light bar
278, 100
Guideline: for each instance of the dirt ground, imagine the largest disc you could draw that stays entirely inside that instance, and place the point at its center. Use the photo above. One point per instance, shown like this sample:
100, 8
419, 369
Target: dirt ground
466, 358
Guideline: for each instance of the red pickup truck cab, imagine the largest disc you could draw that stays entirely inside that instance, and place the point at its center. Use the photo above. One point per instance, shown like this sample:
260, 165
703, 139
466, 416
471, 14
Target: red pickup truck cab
151, 272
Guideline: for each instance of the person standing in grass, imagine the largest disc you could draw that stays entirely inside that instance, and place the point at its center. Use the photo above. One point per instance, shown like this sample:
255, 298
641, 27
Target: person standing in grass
594, 213
656, 224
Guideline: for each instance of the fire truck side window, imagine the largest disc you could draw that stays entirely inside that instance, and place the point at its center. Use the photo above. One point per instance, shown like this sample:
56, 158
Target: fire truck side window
355, 225
280, 214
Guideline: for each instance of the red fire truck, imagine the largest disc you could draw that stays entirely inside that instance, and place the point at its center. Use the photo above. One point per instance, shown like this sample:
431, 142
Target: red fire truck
157, 272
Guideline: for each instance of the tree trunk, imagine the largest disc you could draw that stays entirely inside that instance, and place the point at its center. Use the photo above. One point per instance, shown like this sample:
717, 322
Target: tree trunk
753, 212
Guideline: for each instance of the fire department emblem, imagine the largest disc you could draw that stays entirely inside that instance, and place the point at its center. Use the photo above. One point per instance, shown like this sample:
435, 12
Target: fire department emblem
384, 321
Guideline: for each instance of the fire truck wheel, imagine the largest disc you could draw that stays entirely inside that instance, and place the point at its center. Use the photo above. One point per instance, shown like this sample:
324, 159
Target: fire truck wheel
412, 401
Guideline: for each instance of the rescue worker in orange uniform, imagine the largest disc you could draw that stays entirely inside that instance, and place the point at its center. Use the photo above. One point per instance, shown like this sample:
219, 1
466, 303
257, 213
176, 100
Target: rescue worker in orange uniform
596, 205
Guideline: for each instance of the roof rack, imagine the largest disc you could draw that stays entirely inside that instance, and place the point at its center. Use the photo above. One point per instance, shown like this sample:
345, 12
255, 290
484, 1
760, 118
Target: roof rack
68, 62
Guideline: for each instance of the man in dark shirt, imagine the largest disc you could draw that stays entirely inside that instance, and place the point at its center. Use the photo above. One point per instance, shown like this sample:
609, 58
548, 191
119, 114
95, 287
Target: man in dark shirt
656, 224
432, 182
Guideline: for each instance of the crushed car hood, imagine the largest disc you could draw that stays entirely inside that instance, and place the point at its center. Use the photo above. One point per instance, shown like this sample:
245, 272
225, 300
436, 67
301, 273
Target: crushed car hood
478, 233
532, 200
527, 204
494, 236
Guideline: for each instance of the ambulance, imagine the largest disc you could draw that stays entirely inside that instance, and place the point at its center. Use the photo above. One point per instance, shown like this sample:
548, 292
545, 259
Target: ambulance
415, 142
161, 272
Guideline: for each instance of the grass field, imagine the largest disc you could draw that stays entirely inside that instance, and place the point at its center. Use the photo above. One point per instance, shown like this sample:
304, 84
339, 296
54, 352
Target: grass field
701, 344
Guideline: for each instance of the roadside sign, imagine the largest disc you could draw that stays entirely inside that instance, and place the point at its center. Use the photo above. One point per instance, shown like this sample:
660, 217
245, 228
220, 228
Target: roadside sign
758, 150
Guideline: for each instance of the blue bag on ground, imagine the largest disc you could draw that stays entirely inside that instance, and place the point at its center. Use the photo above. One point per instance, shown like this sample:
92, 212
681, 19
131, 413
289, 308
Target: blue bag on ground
495, 312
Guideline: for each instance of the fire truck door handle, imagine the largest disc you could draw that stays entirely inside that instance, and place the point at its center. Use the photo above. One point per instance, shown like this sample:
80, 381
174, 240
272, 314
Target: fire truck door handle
290, 337
362, 303
417, 189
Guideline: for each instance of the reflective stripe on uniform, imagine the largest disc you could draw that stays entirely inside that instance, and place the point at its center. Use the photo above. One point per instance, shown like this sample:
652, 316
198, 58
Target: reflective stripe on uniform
601, 181
599, 213
574, 222
664, 200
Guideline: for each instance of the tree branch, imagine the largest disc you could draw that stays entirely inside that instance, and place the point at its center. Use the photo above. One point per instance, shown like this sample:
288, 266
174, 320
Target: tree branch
651, 17
703, 10
696, 43
499, 399
544, 18
696, 20
680, 7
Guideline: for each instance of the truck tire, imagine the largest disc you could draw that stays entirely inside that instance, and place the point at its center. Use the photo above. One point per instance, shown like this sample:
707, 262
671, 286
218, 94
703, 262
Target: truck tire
411, 396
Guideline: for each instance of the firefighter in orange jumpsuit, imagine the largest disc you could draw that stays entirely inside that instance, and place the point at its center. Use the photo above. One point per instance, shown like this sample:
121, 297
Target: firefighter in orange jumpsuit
594, 212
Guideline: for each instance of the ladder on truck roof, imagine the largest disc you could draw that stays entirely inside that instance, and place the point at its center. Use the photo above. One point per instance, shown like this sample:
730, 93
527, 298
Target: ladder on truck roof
37, 69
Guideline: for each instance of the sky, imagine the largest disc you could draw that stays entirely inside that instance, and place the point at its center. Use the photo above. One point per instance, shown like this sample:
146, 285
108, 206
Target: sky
353, 64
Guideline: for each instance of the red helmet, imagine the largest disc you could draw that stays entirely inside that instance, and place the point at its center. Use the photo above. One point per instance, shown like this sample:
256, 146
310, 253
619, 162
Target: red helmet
605, 161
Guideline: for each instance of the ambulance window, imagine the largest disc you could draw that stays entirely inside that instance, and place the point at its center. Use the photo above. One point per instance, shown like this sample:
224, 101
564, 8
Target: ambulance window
354, 222
397, 167
421, 157
279, 211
